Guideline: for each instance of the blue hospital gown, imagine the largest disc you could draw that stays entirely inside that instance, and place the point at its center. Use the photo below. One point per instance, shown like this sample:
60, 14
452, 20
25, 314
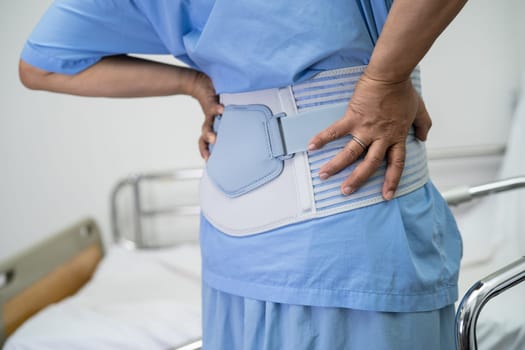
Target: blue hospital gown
351, 260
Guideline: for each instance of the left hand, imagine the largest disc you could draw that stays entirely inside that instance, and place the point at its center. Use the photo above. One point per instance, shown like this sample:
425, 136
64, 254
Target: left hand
204, 91
379, 114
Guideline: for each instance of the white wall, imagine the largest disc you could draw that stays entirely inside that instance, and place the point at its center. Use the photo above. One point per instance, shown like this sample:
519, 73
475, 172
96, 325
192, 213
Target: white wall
470, 81
61, 155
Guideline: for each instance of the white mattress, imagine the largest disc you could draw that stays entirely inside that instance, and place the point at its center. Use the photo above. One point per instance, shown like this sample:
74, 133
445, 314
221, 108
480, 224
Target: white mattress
136, 300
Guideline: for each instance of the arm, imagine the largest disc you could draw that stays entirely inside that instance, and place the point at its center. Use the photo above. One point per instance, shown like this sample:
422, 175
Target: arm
385, 105
124, 76
114, 76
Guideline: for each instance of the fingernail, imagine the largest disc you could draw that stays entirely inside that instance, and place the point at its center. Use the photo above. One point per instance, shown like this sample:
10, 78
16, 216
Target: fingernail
221, 110
311, 147
323, 176
347, 190
389, 195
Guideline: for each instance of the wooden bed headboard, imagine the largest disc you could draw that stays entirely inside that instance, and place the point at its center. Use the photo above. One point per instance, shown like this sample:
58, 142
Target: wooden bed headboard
47, 273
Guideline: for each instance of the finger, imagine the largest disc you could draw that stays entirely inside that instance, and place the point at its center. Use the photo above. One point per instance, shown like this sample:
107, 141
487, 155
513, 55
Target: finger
214, 109
395, 165
211, 111
348, 155
210, 137
203, 149
373, 160
423, 122
207, 132
207, 126
337, 130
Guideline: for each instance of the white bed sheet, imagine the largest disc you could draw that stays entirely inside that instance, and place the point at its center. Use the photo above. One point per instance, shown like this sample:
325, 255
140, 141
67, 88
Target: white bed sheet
136, 300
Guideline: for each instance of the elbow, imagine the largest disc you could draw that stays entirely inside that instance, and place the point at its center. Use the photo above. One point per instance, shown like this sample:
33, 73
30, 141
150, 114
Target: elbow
31, 77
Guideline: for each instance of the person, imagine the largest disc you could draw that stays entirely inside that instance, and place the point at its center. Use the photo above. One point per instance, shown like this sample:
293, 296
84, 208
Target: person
341, 244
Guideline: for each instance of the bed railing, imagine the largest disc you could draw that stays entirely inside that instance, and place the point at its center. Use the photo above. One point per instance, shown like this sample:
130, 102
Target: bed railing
492, 285
196, 345
464, 194
135, 182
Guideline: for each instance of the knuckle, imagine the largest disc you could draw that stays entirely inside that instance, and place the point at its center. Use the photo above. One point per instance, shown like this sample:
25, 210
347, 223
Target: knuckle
398, 163
331, 133
375, 160
349, 153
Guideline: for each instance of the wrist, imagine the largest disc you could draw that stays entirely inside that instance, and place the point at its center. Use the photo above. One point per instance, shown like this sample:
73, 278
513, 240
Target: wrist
186, 81
387, 66
389, 75
198, 83
385, 81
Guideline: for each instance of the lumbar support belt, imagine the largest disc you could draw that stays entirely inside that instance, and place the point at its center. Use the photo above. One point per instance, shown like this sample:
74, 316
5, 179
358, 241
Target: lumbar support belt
260, 176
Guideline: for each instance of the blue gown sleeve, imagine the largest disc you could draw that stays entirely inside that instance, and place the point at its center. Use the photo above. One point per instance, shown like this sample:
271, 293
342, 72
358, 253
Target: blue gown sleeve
75, 34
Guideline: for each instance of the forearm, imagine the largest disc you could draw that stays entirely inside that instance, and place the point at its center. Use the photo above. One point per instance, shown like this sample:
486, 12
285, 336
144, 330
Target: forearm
115, 76
411, 28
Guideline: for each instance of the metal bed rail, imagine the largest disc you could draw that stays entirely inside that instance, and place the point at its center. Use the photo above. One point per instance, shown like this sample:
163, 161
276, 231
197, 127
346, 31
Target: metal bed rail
135, 182
481, 293
464, 194
195, 345
492, 285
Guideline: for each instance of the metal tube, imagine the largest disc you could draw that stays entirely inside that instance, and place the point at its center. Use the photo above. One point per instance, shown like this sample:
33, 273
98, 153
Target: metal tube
114, 211
497, 186
464, 194
196, 345
135, 181
139, 241
478, 295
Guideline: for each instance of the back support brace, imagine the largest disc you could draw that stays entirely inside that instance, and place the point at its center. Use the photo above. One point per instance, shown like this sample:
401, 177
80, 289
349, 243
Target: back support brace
260, 176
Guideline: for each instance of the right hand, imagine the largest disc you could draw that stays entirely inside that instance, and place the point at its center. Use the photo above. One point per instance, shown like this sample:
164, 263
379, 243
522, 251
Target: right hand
204, 91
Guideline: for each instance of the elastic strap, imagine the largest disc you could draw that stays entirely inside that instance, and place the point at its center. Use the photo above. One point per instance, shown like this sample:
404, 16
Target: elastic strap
297, 130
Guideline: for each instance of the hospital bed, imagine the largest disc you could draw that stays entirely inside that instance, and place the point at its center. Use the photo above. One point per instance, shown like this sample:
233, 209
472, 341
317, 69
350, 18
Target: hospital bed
143, 291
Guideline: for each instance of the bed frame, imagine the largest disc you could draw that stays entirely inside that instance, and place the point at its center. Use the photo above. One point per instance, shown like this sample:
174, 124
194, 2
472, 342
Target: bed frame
492, 285
140, 211
47, 273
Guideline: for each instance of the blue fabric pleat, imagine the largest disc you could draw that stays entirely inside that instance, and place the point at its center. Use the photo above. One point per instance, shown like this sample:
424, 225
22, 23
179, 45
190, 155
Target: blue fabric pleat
236, 323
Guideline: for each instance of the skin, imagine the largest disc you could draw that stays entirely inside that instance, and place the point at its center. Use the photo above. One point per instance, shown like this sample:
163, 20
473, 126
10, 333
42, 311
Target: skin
380, 113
